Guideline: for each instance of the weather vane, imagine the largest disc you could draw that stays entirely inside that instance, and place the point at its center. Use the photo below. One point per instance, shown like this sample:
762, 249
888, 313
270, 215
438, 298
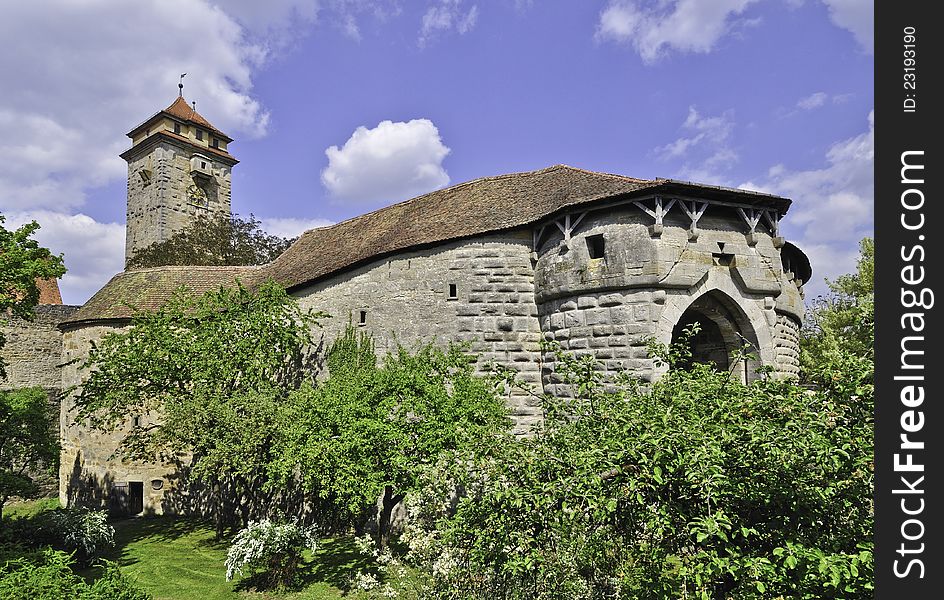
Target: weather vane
180, 84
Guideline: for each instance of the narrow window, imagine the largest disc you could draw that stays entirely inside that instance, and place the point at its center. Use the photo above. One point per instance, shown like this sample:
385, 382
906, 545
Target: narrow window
595, 246
203, 164
216, 143
136, 422
199, 134
363, 318
453, 291
177, 128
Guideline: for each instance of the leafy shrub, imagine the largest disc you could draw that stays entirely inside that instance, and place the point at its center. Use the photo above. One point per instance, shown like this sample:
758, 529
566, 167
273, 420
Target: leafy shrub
270, 552
83, 531
48, 574
697, 486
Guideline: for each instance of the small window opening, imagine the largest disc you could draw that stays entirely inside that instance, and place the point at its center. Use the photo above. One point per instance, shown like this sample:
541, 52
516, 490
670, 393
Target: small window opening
199, 134
362, 319
203, 164
453, 291
177, 128
216, 143
157, 484
595, 246
136, 422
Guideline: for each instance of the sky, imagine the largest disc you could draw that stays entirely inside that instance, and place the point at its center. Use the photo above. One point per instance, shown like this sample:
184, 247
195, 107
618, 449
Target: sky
340, 107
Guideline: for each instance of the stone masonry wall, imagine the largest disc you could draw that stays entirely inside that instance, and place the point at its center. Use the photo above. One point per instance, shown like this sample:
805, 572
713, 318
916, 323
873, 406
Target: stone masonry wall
787, 340
406, 300
33, 353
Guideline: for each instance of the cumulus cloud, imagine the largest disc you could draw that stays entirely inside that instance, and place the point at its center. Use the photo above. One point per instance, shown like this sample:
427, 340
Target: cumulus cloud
289, 227
93, 251
812, 101
392, 161
832, 206
654, 28
447, 15
857, 16
101, 65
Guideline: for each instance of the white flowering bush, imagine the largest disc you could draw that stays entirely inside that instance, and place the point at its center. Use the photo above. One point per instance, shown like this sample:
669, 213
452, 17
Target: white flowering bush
83, 531
270, 552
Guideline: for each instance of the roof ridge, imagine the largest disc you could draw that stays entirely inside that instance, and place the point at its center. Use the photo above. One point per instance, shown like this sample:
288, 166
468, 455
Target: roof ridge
189, 268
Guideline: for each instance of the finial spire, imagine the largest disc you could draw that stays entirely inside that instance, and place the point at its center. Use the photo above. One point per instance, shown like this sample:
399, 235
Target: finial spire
180, 85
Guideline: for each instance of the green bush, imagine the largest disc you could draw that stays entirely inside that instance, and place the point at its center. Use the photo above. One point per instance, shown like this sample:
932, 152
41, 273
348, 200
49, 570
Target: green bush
697, 486
49, 574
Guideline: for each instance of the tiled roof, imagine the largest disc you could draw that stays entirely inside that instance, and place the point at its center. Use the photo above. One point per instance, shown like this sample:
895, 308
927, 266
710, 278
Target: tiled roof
179, 109
464, 210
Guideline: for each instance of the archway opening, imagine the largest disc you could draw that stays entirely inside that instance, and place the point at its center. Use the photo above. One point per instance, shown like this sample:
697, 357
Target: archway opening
723, 330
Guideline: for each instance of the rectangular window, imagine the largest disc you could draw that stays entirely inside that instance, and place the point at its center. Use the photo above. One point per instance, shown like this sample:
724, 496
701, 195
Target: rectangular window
453, 291
216, 143
177, 128
595, 246
362, 319
199, 134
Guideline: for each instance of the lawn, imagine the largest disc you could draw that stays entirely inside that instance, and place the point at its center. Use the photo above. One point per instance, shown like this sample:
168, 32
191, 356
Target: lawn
176, 558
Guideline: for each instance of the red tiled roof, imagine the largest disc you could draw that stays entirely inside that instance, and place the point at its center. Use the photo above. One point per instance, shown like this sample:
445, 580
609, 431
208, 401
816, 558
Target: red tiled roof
180, 110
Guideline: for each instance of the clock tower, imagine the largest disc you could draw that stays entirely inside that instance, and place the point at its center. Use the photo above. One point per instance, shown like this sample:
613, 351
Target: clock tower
179, 168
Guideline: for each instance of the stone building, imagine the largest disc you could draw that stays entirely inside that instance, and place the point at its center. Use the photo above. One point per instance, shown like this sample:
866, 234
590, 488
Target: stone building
599, 263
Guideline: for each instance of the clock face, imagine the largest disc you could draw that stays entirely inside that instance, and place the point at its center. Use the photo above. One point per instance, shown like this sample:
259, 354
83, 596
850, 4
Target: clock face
197, 195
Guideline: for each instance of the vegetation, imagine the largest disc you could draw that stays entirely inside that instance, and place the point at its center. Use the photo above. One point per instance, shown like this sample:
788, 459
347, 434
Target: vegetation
204, 375
28, 444
369, 431
22, 262
214, 240
49, 574
270, 551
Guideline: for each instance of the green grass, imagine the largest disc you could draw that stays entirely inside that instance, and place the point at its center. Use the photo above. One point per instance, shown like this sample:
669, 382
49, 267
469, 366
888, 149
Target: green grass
29, 508
177, 558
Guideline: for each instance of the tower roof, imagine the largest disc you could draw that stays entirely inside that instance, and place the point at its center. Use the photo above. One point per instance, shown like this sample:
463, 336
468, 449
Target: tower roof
180, 110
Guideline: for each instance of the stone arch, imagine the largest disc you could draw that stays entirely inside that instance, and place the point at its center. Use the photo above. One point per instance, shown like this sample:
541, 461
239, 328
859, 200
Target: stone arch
749, 315
723, 329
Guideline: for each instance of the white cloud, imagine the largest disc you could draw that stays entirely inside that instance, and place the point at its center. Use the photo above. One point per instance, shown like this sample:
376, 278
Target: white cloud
705, 150
101, 68
654, 28
446, 15
289, 227
814, 100
832, 206
93, 251
858, 16
390, 162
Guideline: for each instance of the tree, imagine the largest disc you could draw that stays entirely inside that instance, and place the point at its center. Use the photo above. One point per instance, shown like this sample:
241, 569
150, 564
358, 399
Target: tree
28, 443
203, 375
842, 323
22, 262
214, 240
369, 431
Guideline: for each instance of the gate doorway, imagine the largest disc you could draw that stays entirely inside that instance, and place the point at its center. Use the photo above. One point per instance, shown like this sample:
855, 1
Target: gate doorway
723, 330
135, 497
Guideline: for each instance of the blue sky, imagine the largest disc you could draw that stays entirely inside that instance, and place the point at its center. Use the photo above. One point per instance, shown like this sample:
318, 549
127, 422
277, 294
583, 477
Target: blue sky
339, 107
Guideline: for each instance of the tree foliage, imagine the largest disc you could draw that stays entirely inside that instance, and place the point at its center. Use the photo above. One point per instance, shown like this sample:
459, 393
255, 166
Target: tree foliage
368, 431
203, 375
214, 240
841, 324
28, 443
22, 262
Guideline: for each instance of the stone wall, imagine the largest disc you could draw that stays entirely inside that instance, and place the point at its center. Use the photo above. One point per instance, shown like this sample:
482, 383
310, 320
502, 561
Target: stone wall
33, 354
406, 300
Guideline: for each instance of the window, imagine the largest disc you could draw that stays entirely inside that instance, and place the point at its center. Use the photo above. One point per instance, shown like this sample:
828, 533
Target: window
362, 320
595, 246
453, 292
177, 128
136, 422
216, 143
157, 484
199, 134
203, 164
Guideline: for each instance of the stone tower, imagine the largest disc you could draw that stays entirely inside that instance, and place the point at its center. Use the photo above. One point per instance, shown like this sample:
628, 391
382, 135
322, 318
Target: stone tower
178, 169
